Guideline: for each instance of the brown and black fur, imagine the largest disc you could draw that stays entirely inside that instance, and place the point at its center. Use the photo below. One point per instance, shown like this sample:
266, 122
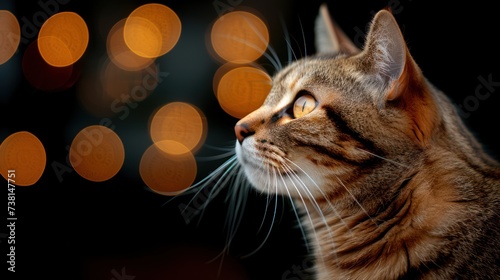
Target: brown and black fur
391, 183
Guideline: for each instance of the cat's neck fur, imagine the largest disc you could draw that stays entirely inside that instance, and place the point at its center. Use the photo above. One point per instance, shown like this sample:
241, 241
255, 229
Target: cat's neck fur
438, 204
411, 235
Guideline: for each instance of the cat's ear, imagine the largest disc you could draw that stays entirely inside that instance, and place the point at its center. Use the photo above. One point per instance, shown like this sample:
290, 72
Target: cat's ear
385, 51
329, 37
386, 54
387, 57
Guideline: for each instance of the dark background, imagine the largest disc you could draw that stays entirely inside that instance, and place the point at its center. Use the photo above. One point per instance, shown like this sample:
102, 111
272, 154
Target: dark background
77, 229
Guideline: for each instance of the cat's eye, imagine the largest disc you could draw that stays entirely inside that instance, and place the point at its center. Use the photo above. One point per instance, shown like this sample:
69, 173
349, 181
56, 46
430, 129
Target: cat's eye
304, 105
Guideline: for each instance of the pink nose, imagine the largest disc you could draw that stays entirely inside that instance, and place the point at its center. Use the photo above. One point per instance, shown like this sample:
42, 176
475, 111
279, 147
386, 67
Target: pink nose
242, 131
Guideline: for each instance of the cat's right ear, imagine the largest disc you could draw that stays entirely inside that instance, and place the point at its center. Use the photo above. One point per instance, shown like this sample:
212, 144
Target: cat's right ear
329, 36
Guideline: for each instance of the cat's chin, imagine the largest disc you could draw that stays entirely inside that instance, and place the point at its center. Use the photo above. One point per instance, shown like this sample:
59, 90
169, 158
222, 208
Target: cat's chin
270, 179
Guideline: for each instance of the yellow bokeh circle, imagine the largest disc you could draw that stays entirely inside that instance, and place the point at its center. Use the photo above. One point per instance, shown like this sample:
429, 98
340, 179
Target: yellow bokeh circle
23, 153
97, 153
239, 37
152, 30
63, 39
242, 90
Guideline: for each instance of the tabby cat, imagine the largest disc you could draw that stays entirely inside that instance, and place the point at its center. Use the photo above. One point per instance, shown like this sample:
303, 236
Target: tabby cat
390, 182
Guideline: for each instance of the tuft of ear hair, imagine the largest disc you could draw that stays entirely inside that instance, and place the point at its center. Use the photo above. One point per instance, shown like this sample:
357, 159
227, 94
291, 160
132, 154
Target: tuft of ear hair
329, 36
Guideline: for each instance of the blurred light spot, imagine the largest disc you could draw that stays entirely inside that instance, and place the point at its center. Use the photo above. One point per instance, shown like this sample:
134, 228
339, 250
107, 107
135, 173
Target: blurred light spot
43, 76
10, 35
111, 91
63, 39
167, 173
239, 37
120, 54
243, 90
152, 30
220, 73
129, 86
179, 122
97, 153
24, 153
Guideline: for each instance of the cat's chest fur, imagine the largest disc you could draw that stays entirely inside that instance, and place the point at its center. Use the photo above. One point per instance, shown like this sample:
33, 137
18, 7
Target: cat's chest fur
427, 232
390, 182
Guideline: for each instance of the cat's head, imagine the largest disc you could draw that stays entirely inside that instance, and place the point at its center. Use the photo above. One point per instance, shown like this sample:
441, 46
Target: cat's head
330, 119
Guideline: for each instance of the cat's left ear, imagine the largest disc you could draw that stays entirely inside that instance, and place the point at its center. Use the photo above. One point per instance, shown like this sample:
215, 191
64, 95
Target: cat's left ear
387, 58
386, 55
329, 36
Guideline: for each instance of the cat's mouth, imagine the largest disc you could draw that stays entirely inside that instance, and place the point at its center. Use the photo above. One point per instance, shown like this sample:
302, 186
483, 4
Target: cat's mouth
268, 169
262, 155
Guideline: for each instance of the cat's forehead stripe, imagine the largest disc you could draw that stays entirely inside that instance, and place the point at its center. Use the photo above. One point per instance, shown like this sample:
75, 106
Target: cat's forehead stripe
293, 80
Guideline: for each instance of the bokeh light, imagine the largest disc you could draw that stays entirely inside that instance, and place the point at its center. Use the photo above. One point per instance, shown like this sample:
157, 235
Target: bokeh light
239, 37
124, 85
63, 39
43, 76
179, 122
120, 54
97, 153
166, 173
152, 30
243, 90
24, 153
108, 90
10, 35
221, 71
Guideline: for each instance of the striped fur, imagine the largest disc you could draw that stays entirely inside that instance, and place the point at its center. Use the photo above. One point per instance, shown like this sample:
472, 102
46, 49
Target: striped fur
391, 183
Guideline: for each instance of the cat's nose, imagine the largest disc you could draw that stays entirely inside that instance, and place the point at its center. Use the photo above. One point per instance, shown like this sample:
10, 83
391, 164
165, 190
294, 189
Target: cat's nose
242, 131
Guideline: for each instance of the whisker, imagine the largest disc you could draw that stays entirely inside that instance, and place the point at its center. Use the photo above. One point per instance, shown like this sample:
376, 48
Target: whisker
237, 203
315, 204
306, 209
217, 157
229, 148
303, 36
287, 40
231, 162
225, 169
355, 200
268, 202
226, 179
273, 58
268, 185
297, 216
332, 207
268, 232
309, 195
381, 157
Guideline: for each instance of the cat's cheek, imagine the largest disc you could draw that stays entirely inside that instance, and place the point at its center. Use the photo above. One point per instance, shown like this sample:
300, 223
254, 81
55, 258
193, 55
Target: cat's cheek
238, 151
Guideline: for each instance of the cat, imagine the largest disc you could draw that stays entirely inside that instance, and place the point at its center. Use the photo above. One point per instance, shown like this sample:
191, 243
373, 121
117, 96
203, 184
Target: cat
389, 181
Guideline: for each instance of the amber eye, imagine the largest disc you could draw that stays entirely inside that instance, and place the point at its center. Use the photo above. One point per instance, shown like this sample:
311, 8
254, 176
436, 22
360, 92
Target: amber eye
304, 105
